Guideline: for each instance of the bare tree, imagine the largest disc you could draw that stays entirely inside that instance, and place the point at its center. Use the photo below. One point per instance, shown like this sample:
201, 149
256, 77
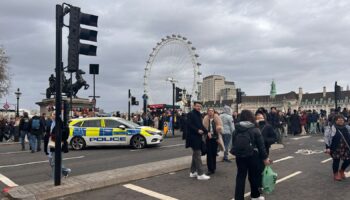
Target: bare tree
4, 73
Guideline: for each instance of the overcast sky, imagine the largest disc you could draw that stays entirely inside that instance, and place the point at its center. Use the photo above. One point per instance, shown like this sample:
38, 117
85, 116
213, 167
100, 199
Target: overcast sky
298, 43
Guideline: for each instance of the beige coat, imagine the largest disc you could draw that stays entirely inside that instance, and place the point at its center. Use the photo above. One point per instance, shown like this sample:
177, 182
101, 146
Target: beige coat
218, 123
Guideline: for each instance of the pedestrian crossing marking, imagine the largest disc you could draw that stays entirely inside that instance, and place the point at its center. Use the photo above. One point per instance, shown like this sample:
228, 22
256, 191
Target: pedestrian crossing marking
7, 181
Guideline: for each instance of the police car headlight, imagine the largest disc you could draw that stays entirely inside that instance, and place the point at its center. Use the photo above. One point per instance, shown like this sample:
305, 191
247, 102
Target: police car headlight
152, 132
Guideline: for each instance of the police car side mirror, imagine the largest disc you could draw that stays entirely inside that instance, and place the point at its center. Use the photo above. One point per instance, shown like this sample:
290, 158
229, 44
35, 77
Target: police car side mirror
122, 127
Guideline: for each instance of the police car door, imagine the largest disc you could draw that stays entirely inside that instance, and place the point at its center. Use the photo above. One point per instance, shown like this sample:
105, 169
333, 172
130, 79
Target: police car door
116, 132
92, 131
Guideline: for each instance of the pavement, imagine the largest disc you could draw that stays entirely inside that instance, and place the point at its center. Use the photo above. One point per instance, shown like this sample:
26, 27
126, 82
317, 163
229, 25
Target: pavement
304, 172
97, 180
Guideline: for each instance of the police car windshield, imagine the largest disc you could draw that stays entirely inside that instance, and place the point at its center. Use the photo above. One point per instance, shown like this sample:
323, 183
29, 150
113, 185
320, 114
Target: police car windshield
129, 123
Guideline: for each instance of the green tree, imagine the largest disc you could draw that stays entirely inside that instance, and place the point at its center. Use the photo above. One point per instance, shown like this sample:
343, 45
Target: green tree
4, 73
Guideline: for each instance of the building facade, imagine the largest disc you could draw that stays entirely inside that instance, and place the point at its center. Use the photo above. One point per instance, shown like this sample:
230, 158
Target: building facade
216, 88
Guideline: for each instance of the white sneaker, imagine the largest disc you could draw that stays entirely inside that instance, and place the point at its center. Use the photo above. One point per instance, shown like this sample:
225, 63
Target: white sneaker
259, 198
193, 175
203, 177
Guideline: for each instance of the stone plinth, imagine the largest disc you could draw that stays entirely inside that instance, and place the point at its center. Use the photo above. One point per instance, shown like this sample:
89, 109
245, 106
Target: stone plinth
79, 105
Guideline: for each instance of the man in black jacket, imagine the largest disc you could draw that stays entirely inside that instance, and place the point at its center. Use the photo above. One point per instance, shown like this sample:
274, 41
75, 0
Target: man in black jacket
194, 140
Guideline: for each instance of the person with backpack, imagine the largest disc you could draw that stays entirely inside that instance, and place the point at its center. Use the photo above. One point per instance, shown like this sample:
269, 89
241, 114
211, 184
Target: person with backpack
249, 149
337, 139
36, 129
24, 129
212, 122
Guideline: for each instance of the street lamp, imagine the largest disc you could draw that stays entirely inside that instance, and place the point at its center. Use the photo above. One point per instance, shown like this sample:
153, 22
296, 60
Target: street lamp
173, 81
18, 94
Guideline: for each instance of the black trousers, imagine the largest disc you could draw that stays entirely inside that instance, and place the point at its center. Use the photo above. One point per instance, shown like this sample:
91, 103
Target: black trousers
212, 149
336, 163
252, 167
46, 142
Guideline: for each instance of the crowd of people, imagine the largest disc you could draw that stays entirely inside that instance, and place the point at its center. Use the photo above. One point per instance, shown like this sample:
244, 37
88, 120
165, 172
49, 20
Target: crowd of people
249, 136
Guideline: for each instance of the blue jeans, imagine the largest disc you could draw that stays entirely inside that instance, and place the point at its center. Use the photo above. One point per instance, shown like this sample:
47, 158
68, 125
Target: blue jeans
227, 143
33, 142
313, 128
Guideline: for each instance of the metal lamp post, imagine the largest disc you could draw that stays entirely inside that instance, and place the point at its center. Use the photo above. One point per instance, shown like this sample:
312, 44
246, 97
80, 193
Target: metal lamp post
18, 94
173, 81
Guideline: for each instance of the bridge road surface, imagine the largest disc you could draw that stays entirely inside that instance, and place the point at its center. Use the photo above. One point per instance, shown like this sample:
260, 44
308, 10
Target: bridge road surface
23, 167
304, 173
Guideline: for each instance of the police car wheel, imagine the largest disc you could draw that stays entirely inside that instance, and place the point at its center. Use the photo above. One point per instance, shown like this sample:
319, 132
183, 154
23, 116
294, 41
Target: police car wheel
78, 143
138, 142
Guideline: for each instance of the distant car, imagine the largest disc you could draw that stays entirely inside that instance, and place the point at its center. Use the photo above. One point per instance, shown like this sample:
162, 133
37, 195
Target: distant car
111, 131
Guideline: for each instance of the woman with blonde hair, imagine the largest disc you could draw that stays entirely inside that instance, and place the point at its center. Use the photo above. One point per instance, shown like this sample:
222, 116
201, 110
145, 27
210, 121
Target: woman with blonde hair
212, 122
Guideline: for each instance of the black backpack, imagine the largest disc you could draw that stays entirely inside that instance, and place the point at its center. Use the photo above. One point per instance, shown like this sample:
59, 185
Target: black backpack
243, 144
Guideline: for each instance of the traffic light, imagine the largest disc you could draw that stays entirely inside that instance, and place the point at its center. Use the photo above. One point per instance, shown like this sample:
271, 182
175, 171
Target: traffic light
178, 94
337, 92
134, 102
239, 95
76, 33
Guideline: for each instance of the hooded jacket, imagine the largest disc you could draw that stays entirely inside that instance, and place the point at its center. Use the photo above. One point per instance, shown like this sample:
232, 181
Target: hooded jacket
258, 141
227, 121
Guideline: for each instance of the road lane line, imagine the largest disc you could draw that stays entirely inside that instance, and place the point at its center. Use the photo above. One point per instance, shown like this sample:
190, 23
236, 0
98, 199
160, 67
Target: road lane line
175, 145
148, 192
14, 152
299, 138
280, 180
37, 162
327, 160
161, 147
288, 177
7, 181
347, 174
282, 159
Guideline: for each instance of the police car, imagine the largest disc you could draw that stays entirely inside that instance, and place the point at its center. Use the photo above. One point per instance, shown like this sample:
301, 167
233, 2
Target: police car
111, 131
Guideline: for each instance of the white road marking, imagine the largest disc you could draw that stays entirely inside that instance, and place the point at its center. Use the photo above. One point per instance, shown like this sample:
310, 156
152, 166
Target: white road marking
14, 152
161, 147
282, 159
175, 145
7, 181
37, 162
327, 160
148, 192
320, 140
347, 174
288, 177
299, 138
279, 180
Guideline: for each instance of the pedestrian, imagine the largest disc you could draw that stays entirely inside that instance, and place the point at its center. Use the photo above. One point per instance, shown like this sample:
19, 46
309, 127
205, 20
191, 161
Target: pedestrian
228, 128
249, 149
303, 123
156, 121
12, 129
313, 118
295, 123
274, 120
2, 128
24, 129
48, 123
266, 130
212, 122
36, 128
194, 140
337, 139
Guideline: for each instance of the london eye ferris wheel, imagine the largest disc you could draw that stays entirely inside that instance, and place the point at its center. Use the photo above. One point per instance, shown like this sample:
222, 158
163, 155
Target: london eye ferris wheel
173, 58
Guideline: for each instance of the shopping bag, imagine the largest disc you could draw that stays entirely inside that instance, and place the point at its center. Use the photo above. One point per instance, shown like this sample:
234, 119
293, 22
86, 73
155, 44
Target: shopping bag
268, 180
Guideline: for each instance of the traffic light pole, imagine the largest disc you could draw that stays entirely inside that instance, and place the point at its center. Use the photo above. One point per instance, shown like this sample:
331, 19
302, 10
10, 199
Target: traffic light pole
173, 114
129, 105
58, 119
